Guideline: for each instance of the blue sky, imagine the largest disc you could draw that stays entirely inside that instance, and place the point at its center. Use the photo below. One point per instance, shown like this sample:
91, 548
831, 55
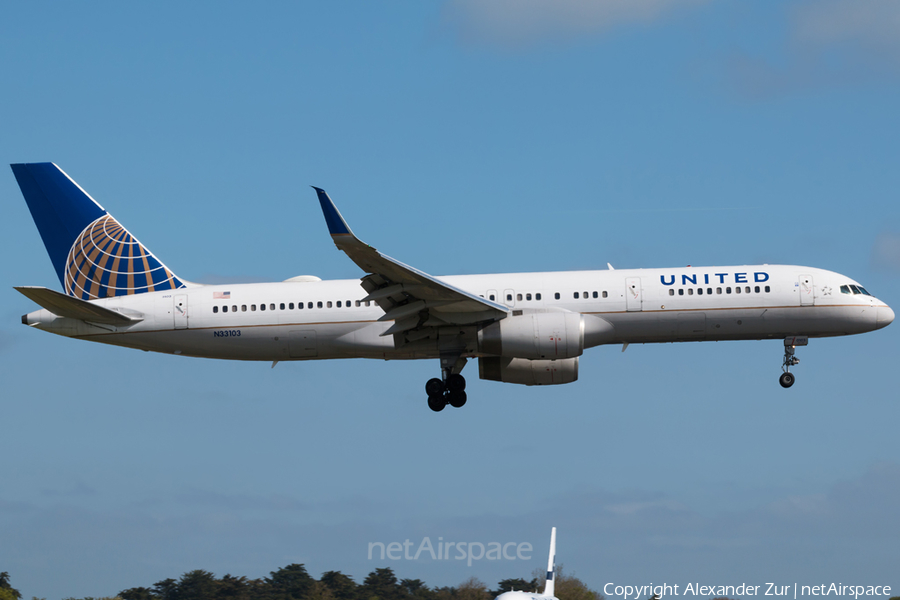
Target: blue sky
458, 137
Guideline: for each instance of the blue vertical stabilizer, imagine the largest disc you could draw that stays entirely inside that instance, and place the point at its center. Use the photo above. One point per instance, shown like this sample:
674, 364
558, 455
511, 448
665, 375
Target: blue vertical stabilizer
94, 256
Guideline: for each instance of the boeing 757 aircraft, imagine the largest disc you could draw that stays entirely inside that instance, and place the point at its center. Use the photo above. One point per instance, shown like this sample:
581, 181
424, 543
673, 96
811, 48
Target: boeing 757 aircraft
526, 328
548, 586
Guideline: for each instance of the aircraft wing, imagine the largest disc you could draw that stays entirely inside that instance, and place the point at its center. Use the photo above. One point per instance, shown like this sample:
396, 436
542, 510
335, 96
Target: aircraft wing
70, 307
409, 297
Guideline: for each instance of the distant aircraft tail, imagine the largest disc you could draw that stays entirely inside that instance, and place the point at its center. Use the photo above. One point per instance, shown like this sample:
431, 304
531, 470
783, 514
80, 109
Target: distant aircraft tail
94, 256
551, 565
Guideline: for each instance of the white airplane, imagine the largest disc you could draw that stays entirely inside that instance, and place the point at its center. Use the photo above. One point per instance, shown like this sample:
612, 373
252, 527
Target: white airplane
548, 586
525, 328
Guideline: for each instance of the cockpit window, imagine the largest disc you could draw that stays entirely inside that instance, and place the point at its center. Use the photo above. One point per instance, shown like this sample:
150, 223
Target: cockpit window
845, 289
863, 290
855, 289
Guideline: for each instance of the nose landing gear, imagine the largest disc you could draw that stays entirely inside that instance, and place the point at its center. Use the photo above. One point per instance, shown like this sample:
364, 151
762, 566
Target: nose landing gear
790, 343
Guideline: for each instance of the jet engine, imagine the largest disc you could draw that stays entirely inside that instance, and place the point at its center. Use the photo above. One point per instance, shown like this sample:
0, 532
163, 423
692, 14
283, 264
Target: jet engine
535, 335
528, 372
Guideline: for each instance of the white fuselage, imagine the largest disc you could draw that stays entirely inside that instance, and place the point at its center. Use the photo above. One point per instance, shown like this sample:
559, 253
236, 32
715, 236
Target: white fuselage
265, 322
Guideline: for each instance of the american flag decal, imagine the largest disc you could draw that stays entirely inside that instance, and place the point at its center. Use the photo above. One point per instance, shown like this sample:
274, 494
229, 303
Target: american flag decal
221, 295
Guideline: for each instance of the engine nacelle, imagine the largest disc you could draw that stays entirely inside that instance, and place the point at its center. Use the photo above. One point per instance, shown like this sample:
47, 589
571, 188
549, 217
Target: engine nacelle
536, 335
528, 372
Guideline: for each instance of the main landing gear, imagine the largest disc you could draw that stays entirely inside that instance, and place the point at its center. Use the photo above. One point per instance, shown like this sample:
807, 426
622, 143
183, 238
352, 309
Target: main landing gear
790, 343
441, 393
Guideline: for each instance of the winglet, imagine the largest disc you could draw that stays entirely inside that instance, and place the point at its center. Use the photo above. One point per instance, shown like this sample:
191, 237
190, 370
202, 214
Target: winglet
336, 223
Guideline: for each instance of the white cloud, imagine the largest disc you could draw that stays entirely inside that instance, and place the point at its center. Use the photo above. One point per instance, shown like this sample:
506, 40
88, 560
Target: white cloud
522, 22
872, 23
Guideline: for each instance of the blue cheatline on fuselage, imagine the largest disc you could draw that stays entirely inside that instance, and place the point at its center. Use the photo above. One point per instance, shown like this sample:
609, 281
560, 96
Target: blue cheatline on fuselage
94, 256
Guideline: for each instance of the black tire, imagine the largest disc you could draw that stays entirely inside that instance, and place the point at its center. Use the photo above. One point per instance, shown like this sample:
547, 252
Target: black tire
786, 380
457, 399
434, 387
436, 403
456, 383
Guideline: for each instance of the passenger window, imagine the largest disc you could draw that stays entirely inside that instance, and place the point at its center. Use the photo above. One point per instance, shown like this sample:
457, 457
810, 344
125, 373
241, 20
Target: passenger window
576, 295
718, 290
595, 295
537, 296
282, 306
319, 304
681, 291
234, 308
709, 291
767, 289
747, 289
556, 295
367, 302
328, 304
291, 306
243, 308
347, 304
509, 297
671, 292
300, 305
271, 307
605, 294
528, 296
690, 291
519, 297
737, 289
252, 308
262, 307
699, 291
492, 298
585, 295
756, 289
358, 304
224, 309
215, 309
338, 303
728, 290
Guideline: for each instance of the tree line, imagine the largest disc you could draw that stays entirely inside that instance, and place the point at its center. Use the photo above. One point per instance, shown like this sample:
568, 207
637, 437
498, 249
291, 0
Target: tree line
293, 582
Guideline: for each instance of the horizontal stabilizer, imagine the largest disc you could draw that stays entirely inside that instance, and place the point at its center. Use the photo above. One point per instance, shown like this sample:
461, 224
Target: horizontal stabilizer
70, 307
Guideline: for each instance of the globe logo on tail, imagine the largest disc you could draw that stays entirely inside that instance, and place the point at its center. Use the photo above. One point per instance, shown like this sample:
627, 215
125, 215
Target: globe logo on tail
107, 261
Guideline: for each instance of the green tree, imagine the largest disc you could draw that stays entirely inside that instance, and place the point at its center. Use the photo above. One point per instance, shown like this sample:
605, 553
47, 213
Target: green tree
290, 583
381, 584
7, 594
167, 589
233, 588
341, 586
473, 589
5, 585
197, 585
138, 593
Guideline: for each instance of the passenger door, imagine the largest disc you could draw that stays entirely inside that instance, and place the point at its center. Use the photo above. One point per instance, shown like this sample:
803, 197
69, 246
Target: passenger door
633, 294
807, 291
180, 310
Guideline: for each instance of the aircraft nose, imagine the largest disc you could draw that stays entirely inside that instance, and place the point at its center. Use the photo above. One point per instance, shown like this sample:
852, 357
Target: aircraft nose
884, 316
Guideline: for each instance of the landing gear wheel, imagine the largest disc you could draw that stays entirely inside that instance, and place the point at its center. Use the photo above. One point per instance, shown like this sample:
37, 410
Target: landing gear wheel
456, 383
437, 403
434, 388
786, 380
457, 399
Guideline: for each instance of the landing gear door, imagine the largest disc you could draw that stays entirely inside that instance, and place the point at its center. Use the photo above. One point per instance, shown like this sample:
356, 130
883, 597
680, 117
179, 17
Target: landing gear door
633, 295
180, 310
807, 290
